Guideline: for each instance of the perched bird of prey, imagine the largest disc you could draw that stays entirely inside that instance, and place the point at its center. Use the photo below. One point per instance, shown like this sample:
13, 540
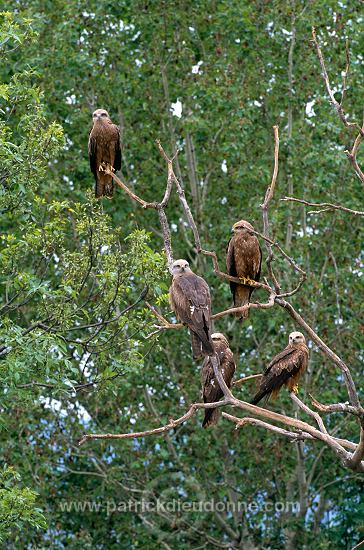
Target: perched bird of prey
190, 299
211, 390
243, 260
285, 369
104, 151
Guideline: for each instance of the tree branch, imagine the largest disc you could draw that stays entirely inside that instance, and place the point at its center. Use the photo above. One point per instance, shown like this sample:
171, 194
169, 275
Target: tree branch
307, 410
241, 422
303, 430
268, 197
326, 205
171, 424
337, 106
246, 379
337, 407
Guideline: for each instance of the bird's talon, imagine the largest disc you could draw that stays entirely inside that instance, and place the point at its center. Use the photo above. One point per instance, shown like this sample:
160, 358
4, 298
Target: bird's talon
247, 281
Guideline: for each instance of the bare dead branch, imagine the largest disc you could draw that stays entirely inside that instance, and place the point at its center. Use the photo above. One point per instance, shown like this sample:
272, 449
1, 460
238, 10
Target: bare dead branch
359, 545
225, 277
163, 320
246, 307
246, 379
327, 206
333, 443
241, 422
125, 188
159, 206
337, 106
215, 360
268, 197
165, 324
289, 259
337, 407
171, 424
302, 430
166, 235
354, 151
337, 445
307, 410
358, 454
346, 72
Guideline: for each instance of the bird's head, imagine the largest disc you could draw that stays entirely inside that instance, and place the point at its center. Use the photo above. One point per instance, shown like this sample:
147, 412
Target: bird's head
100, 115
296, 338
219, 338
180, 266
242, 227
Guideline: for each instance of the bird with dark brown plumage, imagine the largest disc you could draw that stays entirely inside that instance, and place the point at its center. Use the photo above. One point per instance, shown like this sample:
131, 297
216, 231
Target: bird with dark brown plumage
190, 299
243, 260
104, 152
285, 369
211, 390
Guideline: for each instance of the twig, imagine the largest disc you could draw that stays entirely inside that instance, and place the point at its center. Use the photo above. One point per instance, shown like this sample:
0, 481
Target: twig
326, 205
171, 424
354, 151
246, 307
159, 206
268, 197
125, 188
337, 407
307, 410
163, 320
337, 106
246, 379
290, 260
225, 277
241, 422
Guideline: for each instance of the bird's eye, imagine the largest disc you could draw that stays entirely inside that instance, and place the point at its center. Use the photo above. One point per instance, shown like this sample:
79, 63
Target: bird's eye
103, 114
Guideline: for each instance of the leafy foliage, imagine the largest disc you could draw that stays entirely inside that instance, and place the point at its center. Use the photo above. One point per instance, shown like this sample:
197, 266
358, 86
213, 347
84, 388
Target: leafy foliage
17, 506
75, 273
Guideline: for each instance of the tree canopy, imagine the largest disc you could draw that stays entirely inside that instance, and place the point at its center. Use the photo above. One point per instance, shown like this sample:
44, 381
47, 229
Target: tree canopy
79, 349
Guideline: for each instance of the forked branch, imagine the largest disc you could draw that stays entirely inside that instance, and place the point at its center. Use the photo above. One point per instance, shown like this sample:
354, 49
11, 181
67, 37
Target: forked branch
326, 206
298, 430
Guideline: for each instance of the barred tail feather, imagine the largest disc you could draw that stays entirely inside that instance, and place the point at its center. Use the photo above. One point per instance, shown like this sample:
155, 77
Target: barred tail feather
241, 298
99, 188
259, 396
196, 346
109, 188
104, 186
201, 345
211, 417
